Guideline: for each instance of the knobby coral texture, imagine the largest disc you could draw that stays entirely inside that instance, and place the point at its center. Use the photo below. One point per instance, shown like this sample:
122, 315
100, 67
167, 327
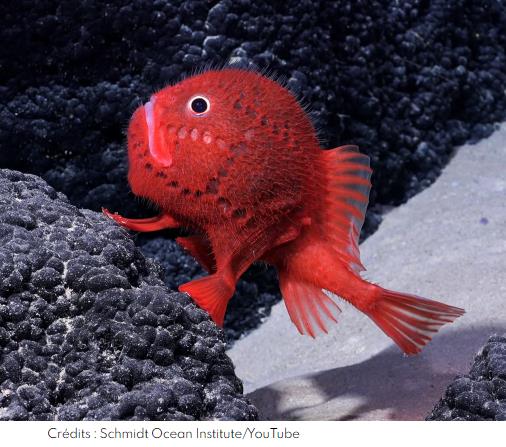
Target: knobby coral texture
88, 330
406, 81
480, 395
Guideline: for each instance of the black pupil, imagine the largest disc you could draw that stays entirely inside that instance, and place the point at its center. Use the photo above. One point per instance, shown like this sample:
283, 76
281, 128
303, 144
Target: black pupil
199, 105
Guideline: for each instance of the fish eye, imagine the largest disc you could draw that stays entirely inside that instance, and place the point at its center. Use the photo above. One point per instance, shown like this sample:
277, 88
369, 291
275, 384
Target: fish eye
199, 105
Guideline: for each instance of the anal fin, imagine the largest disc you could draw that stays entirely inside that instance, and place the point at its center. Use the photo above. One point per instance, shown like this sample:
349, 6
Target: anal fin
310, 309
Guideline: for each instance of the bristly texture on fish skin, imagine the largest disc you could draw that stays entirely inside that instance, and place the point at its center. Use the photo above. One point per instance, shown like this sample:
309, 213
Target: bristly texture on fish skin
480, 395
89, 331
406, 81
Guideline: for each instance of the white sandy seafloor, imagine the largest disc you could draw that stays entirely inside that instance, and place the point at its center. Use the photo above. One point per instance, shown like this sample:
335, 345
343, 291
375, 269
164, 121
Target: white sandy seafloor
447, 243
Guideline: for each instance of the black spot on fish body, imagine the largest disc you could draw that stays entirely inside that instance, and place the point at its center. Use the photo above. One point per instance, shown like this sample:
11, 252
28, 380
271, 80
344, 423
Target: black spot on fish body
238, 213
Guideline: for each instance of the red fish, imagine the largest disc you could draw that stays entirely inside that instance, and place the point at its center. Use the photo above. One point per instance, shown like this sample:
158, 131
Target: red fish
232, 156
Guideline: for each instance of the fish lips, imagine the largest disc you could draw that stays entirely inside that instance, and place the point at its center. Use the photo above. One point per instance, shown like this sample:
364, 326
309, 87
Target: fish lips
156, 149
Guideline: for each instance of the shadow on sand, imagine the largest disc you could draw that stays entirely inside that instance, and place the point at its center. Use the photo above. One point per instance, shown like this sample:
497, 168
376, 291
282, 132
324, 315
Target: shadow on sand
404, 388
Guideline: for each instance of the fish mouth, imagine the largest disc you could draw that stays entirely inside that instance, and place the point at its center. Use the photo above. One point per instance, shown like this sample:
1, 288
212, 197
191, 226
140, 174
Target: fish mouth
154, 145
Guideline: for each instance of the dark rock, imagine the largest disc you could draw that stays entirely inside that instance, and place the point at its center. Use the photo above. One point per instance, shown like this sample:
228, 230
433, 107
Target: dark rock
480, 395
81, 340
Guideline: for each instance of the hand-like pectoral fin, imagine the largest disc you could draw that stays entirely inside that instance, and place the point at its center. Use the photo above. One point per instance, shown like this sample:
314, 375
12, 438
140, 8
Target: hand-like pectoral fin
160, 222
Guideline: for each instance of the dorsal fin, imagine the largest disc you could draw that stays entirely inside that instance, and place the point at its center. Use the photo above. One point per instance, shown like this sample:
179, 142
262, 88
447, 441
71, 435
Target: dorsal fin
347, 196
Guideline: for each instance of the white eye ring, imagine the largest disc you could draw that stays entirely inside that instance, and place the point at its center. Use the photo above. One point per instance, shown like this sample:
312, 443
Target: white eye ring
199, 105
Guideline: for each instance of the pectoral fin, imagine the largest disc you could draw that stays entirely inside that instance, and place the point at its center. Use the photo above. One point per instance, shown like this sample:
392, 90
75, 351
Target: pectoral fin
160, 222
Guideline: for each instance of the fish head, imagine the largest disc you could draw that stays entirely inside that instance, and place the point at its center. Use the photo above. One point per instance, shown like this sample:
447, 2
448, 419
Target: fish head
203, 135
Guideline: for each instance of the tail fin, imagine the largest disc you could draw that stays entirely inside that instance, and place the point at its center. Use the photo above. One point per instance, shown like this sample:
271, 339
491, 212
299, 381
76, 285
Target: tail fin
409, 320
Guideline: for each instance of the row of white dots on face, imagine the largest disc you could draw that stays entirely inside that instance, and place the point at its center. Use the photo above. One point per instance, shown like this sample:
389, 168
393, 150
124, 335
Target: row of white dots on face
207, 138
182, 133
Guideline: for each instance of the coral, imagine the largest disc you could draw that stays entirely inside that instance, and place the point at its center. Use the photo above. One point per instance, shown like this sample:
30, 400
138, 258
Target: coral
481, 394
89, 331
